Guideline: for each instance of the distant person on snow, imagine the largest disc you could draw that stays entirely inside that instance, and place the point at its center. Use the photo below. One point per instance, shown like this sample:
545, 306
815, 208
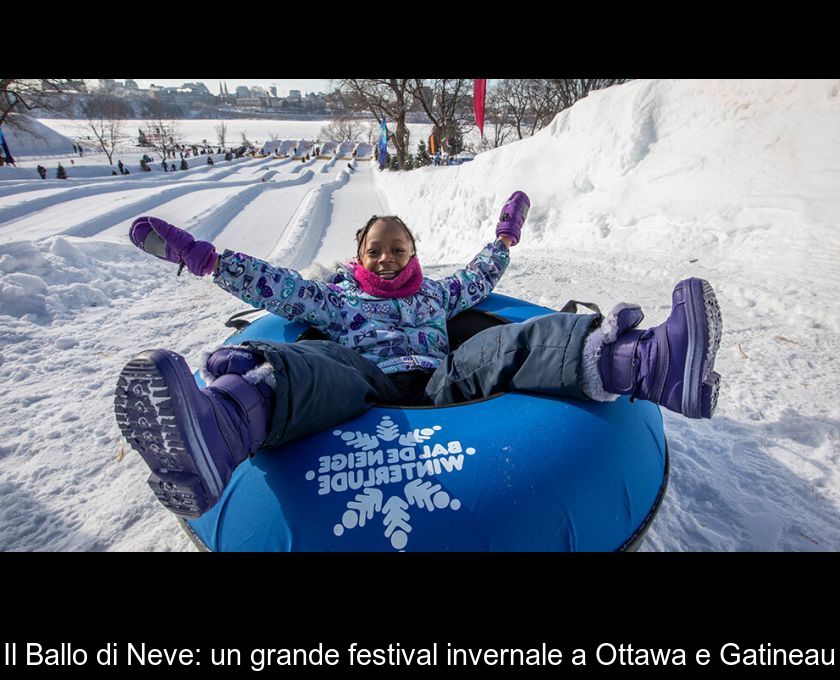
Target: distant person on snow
42, 171
60, 172
388, 343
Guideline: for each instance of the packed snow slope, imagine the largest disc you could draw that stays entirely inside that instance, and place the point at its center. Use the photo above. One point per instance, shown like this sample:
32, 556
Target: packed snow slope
632, 189
34, 137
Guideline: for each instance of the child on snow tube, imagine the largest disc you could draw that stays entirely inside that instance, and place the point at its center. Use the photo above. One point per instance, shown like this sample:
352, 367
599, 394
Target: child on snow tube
388, 344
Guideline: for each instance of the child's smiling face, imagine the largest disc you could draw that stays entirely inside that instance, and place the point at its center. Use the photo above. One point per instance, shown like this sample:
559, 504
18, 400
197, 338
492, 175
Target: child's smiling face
386, 249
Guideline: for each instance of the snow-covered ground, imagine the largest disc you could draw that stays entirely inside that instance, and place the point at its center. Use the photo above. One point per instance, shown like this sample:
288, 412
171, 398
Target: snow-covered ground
633, 189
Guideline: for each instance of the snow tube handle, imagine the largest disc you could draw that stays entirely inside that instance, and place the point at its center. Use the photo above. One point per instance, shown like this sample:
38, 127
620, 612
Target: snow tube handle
571, 307
238, 323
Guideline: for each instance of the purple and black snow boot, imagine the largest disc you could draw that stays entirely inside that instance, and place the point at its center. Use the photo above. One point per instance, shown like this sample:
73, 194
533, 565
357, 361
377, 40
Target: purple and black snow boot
191, 438
672, 363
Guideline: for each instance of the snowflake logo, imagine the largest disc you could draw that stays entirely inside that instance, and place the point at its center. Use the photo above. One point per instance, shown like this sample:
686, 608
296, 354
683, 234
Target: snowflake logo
417, 495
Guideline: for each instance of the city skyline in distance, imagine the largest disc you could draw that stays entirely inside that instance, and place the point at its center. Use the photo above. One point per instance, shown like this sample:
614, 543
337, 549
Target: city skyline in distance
283, 85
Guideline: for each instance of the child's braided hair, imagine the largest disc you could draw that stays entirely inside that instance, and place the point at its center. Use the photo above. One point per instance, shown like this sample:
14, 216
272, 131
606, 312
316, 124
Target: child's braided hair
362, 232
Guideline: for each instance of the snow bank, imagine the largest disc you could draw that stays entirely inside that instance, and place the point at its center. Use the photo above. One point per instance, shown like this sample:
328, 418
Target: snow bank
72, 312
33, 138
728, 171
58, 277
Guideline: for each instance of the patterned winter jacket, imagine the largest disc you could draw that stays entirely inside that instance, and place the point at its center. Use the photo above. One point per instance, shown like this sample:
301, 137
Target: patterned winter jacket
397, 334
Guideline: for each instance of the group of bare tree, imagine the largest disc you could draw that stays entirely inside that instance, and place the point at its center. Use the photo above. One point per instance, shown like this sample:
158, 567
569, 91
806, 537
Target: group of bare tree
344, 129
386, 99
513, 107
522, 107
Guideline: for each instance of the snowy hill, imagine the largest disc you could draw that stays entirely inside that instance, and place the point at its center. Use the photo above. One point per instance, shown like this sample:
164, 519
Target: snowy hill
632, 189
33, 138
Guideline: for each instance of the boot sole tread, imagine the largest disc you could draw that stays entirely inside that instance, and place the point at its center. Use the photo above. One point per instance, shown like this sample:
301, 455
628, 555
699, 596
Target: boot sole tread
710, 380
146, 418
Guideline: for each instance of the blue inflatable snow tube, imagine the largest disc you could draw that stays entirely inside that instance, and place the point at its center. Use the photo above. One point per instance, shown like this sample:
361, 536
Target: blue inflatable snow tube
514, 472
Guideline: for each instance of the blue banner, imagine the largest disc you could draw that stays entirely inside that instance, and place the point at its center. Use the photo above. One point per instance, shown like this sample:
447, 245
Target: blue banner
6, 152
383, 144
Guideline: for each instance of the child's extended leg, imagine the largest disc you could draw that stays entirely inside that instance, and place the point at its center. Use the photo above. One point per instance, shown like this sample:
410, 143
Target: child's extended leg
671, 364
571, 355
192, 439
260, 394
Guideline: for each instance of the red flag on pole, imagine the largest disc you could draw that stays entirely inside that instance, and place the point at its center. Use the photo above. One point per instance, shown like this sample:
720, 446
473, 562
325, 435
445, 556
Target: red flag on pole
479, 90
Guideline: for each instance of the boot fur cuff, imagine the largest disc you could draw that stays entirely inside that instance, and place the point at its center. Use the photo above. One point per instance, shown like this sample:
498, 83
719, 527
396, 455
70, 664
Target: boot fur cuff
593, 385
203, 373
264, 373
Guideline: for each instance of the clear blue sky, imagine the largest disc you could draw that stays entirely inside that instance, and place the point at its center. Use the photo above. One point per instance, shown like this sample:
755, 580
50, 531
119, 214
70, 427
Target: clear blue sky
283, 85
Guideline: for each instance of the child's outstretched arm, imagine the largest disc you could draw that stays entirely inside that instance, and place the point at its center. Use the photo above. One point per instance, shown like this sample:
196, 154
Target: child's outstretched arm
469, 286
278, 290
256, 282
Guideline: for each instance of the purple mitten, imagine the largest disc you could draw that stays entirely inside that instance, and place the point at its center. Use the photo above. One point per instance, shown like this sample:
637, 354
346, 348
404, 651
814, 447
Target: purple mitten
513, 217
160, 238
172, 244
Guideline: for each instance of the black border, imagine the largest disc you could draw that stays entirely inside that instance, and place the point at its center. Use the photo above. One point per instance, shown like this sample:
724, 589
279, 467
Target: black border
508, 42
483, 600
480, 601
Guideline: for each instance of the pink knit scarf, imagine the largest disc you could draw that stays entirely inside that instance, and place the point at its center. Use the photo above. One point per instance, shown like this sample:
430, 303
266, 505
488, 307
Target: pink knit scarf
404, 284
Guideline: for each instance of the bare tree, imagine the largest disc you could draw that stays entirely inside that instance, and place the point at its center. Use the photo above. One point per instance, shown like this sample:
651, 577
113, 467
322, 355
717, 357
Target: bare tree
104, 117
531, 104
20, 95
515, 98
387, 99
446, 102
496, 115
163, 136
545, 102
221, 133
342, 130
570, 90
